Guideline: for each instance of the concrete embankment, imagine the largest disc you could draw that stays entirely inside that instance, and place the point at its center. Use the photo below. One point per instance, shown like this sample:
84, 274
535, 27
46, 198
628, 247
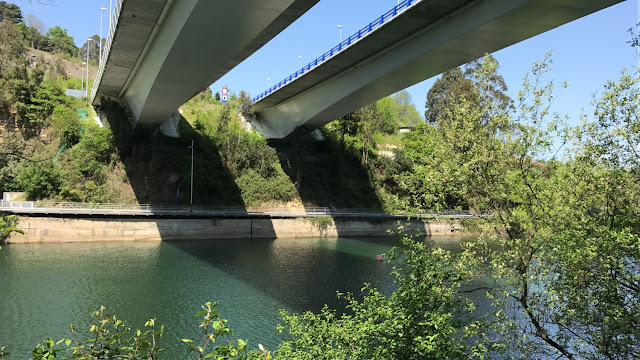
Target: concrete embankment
52, 229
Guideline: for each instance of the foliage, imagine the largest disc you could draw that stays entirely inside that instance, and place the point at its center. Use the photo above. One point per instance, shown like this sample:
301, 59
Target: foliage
67, 124
424, 318
12, 49
61, 42
10, 12
8, 225
214, 328
34, 97
121, 125
108, 338
93, 48
39, 180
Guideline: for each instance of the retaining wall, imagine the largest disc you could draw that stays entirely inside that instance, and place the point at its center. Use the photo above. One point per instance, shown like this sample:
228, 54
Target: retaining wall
51, 230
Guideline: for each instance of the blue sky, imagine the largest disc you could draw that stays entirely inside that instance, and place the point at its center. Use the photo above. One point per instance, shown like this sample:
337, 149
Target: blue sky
586, 52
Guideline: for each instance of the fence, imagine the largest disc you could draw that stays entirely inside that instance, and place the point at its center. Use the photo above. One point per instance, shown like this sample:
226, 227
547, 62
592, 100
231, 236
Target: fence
38, 207
374, 25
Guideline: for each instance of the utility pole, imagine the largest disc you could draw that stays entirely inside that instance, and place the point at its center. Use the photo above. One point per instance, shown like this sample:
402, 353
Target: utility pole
191, 172
88, 46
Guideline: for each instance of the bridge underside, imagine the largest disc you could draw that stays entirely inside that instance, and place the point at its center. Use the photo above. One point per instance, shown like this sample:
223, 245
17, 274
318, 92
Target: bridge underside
166, 51
429, 38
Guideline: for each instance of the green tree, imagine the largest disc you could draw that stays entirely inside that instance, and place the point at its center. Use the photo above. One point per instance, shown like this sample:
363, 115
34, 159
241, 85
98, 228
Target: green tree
565, 226
67, 125
12, 49
39, 181
61, 42
424, 318
10, 12
93, 46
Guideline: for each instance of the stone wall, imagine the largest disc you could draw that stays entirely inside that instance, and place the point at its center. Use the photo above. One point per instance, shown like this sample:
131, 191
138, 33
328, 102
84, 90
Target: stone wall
49, 229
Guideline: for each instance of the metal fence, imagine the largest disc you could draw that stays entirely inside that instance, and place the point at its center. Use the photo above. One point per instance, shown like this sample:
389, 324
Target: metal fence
371, 27
115, 16
39, 207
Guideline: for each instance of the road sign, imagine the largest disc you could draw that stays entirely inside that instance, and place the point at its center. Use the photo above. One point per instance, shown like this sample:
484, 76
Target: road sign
225, 91
225, 98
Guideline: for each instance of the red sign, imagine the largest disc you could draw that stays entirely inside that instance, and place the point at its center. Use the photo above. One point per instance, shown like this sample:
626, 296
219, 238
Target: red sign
225, 91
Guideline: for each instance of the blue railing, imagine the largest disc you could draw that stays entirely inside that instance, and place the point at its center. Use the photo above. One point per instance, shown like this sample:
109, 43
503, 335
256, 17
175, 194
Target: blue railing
375, 24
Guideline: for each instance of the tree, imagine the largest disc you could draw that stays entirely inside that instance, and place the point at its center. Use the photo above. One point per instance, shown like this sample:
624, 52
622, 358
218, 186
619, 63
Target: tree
61, 42
10, 12
570, 235
12, 48
407, 113
39, 181
67, 125
34, 22
93, 47
424, 318
472, 85
448, 89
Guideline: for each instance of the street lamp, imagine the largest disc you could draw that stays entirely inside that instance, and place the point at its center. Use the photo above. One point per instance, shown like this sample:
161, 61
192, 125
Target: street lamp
100, 40
191, 172
299, 61
340, 31
88, 46
269, 82
82, 72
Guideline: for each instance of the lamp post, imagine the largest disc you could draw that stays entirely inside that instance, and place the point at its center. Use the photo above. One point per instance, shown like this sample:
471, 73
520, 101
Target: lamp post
82, 72
191, 172
340, 32
100, 40
299, 61
88, 46
269, 83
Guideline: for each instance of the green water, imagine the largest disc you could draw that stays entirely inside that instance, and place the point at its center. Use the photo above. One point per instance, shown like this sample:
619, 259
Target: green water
45, 287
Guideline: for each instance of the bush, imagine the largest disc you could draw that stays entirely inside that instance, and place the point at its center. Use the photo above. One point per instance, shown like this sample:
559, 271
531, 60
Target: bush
67, 125
39, 180
257, 189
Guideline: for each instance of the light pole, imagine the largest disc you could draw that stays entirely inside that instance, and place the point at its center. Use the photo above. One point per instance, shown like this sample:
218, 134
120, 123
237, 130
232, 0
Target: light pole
100, 40
82, 72
340, 32
88, 46
299, 61
191, 172
269, 82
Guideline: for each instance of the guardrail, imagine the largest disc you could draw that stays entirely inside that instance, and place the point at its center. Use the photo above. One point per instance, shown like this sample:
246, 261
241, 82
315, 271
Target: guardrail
28, 207
115, 17
371, 27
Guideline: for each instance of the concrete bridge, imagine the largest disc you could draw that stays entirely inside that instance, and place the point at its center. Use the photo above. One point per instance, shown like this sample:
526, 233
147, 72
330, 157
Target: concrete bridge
161, 53
412, 42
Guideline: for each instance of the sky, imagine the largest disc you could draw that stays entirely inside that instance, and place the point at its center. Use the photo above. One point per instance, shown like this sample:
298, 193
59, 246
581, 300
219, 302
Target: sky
586, 52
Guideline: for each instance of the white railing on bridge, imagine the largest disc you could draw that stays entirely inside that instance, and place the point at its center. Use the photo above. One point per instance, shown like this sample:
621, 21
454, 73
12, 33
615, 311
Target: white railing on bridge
106, 50
39, 207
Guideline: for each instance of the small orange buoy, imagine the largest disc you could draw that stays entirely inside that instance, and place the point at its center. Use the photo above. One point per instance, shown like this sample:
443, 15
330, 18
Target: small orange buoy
380, 257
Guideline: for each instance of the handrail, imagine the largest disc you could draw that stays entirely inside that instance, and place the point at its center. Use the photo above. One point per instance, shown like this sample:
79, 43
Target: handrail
351, 40
177, 210
115, 17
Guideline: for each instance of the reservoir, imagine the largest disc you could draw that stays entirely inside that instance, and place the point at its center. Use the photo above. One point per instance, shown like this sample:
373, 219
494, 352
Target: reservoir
46, 287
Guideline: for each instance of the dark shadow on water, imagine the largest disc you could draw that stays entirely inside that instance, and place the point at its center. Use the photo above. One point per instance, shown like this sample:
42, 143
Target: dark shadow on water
301, 274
